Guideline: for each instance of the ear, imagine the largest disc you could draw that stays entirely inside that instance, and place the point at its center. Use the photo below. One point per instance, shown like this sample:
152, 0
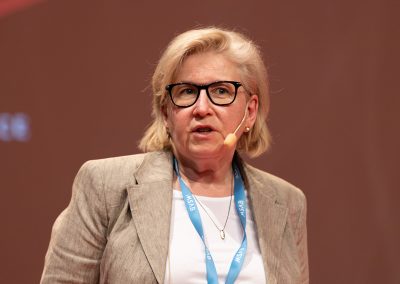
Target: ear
252, 110
164, 111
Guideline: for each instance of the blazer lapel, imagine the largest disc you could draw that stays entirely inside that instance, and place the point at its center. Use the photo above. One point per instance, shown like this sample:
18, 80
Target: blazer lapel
270, 218
150, 202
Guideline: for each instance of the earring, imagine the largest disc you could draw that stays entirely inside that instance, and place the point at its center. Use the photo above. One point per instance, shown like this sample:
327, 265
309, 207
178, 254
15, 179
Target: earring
247, 129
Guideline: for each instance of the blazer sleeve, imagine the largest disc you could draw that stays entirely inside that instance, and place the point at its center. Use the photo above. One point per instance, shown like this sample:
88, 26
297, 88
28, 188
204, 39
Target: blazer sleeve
79, 234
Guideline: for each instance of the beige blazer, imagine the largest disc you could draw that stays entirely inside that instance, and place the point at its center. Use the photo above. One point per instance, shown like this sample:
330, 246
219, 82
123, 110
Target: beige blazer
116, 227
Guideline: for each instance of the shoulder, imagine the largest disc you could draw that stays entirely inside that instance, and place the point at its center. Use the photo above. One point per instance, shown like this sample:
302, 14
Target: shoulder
112, 176
114, 169
103, 181
124, 170
282, 191
269, 190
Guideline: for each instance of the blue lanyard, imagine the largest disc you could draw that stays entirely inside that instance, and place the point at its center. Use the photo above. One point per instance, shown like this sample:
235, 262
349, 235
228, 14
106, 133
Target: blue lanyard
194, 215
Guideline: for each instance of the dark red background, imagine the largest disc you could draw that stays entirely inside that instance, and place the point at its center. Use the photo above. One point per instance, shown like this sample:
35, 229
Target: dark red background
81, 70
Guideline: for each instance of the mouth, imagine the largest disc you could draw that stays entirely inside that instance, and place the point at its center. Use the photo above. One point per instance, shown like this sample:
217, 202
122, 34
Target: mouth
203, 129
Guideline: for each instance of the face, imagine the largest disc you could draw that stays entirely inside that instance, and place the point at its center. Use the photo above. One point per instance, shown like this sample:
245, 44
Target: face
199, 131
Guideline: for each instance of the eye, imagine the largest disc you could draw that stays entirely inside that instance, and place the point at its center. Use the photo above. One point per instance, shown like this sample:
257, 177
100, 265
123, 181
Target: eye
187, 91
184, 90
221, 91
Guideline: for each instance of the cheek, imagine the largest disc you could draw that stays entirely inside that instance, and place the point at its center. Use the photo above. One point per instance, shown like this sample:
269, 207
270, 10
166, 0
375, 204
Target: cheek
178, 123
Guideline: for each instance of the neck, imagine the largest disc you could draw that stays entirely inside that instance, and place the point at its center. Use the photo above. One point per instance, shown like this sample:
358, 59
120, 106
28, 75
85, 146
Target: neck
207, 177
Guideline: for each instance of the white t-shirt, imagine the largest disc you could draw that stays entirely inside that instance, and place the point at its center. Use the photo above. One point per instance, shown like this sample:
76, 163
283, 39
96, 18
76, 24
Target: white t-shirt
186, 259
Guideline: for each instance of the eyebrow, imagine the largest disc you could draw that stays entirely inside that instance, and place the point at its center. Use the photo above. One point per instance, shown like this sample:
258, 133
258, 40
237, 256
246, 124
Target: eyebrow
191, 83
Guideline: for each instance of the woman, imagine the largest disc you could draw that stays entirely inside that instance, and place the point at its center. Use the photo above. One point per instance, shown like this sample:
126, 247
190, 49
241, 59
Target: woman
189, 210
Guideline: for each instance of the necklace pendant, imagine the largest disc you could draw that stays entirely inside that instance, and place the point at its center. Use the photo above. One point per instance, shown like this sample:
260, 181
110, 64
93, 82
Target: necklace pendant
222, 234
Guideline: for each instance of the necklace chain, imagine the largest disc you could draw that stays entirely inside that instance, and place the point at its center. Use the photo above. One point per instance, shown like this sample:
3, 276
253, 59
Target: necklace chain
221, 231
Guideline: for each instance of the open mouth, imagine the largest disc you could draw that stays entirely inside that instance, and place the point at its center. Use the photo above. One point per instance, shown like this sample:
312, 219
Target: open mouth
203, 129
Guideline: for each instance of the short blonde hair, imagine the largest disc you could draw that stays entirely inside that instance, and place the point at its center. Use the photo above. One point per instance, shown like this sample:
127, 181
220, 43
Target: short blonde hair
237, 48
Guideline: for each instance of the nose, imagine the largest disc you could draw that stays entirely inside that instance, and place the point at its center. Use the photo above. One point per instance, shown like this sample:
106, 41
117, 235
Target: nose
203, 105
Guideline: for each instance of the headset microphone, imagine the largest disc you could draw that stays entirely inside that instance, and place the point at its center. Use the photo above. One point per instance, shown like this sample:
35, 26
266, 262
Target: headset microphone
231, 138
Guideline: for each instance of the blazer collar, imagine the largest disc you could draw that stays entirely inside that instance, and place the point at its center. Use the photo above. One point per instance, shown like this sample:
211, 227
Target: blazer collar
156, 166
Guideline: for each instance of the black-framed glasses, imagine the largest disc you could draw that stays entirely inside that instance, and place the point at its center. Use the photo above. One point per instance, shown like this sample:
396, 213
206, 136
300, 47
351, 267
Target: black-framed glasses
220, 93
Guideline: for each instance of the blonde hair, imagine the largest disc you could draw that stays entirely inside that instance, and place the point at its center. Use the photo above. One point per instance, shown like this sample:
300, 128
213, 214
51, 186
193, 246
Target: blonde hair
237, 48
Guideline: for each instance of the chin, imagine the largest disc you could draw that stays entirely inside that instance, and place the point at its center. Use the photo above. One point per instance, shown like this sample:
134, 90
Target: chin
205, 151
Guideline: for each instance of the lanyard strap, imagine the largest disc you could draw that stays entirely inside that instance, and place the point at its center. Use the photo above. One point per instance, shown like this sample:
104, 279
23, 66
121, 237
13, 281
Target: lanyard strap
194, 215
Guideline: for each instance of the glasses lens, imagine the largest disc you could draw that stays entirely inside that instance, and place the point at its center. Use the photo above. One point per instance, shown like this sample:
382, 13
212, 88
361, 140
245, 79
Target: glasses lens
184, 94
222, 92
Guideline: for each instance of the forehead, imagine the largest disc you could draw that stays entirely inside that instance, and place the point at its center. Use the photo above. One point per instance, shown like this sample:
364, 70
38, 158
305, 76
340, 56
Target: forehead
207, 67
